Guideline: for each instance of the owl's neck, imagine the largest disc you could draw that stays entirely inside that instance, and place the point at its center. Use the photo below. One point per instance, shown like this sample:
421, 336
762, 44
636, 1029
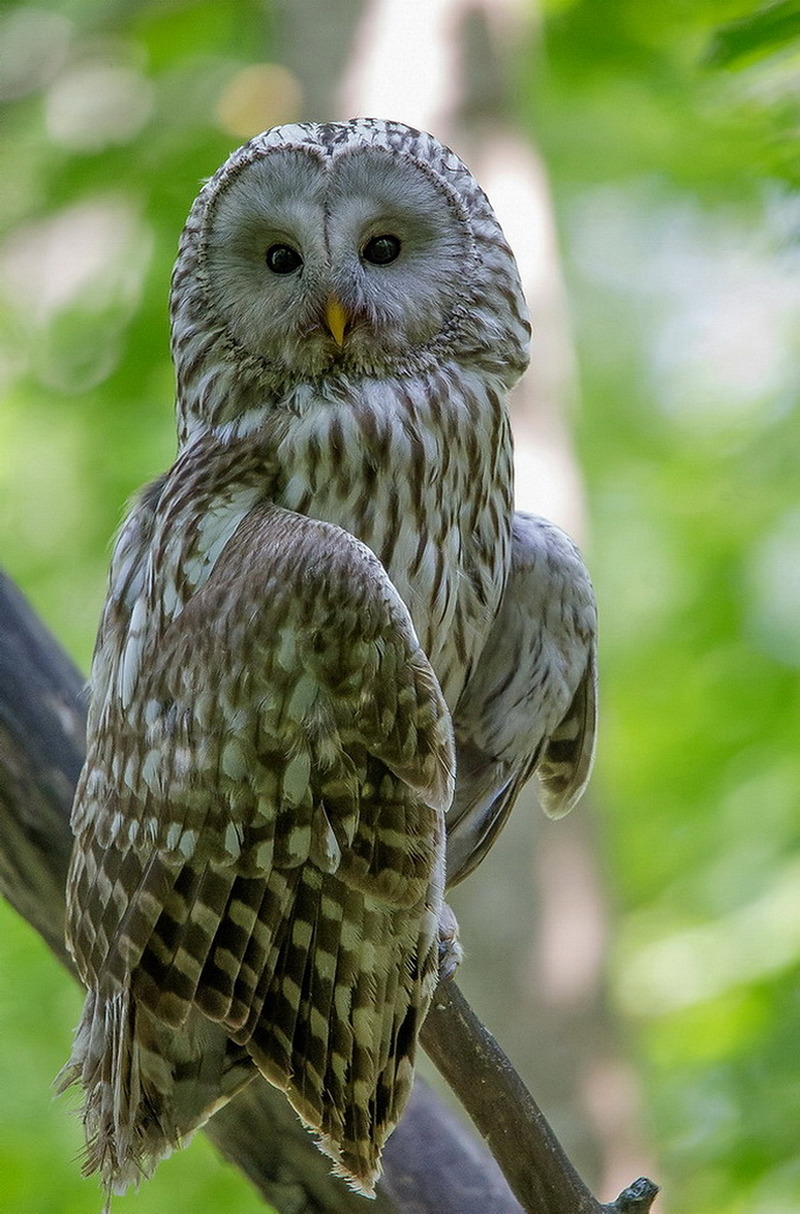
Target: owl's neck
223, 389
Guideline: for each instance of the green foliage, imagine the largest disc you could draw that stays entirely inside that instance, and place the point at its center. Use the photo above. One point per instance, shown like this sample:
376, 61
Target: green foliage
666, 128
771, 28
673, 175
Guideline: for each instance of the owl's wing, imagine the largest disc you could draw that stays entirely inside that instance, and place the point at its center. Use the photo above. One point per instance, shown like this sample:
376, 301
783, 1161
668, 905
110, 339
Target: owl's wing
265, 841
530, 704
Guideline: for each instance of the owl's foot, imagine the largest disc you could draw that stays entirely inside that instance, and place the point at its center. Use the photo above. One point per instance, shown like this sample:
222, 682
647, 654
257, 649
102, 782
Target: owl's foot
450, 950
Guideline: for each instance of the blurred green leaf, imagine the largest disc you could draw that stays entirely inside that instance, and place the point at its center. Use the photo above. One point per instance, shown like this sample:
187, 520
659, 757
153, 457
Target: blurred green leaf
769, 29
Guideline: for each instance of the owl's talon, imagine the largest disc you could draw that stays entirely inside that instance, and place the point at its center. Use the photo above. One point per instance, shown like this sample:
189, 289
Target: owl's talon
450, 951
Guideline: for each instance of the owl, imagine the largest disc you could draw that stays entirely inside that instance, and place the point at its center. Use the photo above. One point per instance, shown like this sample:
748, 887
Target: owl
330, 654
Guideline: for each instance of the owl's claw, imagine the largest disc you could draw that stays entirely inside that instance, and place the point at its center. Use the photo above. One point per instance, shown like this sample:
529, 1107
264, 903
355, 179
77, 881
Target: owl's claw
450, 950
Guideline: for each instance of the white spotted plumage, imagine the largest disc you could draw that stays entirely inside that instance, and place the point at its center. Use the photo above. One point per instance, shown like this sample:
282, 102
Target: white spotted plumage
301, 616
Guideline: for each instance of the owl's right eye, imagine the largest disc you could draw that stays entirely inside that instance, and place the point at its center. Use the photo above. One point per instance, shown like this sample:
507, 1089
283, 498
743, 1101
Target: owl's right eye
282, 259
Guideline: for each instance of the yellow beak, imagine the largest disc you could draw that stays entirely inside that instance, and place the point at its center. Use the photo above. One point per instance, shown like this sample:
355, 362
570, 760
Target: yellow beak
336, 319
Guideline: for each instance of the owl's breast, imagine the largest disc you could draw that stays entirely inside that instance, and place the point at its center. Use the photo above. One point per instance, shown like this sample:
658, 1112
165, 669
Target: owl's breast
421, 472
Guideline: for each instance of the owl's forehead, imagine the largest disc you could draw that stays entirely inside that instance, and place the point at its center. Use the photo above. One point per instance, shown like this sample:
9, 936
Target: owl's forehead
325, 151
304, 169
332, 138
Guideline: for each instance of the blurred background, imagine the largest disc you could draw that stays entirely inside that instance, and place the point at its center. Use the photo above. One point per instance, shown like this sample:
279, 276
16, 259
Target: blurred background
639, 960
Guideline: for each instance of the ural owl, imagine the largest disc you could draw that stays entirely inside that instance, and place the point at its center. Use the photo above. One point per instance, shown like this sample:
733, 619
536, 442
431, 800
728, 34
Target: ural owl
327, 634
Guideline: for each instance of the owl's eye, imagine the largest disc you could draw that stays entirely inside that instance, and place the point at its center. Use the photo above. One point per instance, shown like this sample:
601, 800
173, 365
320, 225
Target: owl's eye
282, 259
380, 250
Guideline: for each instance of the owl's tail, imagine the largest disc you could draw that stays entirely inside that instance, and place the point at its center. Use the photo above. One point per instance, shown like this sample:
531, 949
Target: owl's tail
147, 1087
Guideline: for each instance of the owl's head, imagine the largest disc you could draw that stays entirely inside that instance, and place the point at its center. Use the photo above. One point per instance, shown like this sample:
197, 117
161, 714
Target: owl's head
341, 249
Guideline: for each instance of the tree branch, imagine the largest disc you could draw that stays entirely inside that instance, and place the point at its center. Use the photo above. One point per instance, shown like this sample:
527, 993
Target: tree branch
432, 1164
511, 1123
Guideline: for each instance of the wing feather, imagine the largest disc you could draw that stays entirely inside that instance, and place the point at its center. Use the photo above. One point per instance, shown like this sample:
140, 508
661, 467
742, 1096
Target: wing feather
290, 758
530, 704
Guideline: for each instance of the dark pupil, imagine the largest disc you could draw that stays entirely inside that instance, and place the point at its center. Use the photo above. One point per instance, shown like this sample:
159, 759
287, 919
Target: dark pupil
380, 250
282, 258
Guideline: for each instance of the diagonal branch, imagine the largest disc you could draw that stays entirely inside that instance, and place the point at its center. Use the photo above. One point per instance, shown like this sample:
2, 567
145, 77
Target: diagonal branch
432, 1164
532, 1159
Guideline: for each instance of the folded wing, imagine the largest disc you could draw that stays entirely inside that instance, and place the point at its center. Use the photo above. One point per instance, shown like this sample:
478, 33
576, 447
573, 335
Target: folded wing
261, 847
530, 704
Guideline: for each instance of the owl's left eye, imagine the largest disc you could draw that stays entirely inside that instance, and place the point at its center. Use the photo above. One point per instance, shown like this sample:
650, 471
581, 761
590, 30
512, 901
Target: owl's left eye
282, 259
380, 250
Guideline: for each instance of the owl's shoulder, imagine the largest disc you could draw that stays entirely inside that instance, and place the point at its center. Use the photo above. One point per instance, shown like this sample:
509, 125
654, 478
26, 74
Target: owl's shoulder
174, 533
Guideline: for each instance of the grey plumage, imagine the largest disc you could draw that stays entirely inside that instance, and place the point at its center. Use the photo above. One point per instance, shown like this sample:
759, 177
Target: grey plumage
531, 703
309, 621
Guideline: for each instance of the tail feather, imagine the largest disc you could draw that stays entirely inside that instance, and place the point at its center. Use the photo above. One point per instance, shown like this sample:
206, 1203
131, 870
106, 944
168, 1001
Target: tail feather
146, 1087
